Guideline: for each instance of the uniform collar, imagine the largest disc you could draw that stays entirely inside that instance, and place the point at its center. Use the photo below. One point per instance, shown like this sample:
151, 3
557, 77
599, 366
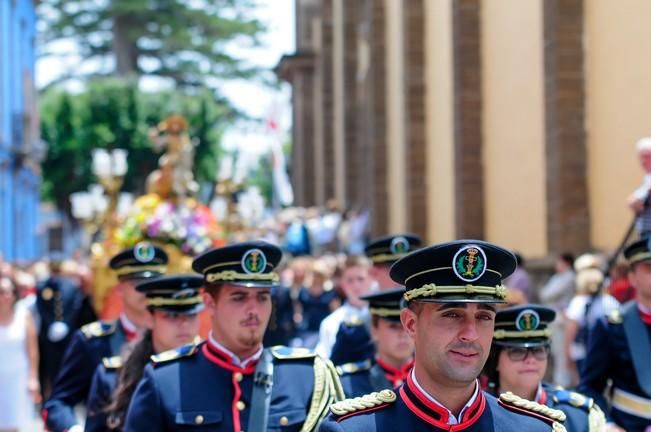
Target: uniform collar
349, 309
645, 313
130, 329
233, 359
395, 376
541, 395
432, 411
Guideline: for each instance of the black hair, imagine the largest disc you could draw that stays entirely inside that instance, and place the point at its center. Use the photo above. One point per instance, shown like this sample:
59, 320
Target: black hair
568, 258
128, 377
490, 370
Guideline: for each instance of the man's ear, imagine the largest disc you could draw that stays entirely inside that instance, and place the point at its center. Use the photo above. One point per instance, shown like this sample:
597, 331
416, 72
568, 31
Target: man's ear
209, 301
409, 321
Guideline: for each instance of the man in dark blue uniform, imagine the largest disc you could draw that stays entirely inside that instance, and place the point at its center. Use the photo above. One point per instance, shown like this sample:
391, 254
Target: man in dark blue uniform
174, 302
100, 394
103, 339
619, 350
451, 290
353, 343
518, 362
394, 349
62, 309
230, 383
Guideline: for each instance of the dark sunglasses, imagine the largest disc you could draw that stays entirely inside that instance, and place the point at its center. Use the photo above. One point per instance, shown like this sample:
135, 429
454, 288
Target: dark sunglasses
521, 353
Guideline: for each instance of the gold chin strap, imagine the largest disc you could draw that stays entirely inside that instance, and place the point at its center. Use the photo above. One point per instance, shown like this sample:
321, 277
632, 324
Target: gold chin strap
231, 275
386, 257
139, 269
384, 312
431, 290
157, 301
639, 257
506, 334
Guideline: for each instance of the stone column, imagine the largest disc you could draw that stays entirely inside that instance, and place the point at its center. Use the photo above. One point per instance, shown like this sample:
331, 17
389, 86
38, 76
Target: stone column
568, 218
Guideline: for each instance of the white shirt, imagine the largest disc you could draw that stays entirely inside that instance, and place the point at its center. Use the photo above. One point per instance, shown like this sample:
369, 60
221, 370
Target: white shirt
234, 358
452, 420
330, 326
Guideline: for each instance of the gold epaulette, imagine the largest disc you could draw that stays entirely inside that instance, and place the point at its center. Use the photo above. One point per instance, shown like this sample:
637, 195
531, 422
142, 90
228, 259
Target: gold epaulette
596, 419
287, 353
615, 317
555, 417
354, 321
112, 363
176, 353
350, 368
363, 403
99, 329
326, 391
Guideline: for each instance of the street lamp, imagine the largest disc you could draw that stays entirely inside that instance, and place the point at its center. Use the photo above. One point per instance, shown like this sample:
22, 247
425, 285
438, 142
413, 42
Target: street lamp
103, 203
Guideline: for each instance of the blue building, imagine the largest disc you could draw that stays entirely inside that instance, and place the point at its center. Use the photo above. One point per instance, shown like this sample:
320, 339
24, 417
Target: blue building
21, 149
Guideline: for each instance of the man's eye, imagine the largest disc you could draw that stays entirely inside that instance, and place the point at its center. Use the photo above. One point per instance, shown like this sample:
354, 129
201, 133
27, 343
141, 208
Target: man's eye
238, 298
451, 315
485, 317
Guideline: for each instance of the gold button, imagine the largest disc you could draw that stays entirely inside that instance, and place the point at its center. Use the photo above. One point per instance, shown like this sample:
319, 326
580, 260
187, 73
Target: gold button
284, 421
198, 419
240, 405
238, 376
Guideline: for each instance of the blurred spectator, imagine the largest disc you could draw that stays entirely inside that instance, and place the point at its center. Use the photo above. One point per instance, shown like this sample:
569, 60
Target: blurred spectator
316, 302
297, 238
637, 200
62, 308
18, 370
620, 286
514, 297
557, 293
355, 282
588, 305
280, 329
326, 229
520, 279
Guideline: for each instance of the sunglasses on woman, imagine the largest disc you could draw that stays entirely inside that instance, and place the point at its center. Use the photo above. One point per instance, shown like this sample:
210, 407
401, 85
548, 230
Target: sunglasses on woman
521, 353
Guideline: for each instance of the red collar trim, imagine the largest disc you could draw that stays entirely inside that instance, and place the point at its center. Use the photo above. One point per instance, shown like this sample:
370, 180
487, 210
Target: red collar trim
646, 317
541, 397
435, 414
128, 333
220, 358
396, 376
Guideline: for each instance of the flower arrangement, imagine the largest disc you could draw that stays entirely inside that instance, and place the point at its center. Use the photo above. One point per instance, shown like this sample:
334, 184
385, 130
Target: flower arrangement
190, 225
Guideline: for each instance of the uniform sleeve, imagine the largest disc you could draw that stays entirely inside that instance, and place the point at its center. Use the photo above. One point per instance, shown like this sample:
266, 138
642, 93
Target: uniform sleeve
330, 425
98, 399
144, 413
71, 385
594, 373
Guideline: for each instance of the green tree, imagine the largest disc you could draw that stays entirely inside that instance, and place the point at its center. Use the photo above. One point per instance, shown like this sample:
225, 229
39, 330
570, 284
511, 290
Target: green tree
182, 40
113, 113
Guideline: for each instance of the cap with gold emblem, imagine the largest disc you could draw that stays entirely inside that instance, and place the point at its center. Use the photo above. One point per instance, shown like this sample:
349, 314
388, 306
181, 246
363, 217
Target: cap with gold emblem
389, 249
385, 304
458, 271
638, 251
176, 294
251, 264
523, 325
141, 261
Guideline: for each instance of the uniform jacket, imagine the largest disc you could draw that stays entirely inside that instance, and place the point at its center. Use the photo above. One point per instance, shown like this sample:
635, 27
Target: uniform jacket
583, 414
196, 388
87, 348
100, 395
610, 356
412, 411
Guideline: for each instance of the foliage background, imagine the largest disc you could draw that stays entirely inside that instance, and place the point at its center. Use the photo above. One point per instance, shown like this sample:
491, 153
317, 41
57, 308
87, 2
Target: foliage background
113, 113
